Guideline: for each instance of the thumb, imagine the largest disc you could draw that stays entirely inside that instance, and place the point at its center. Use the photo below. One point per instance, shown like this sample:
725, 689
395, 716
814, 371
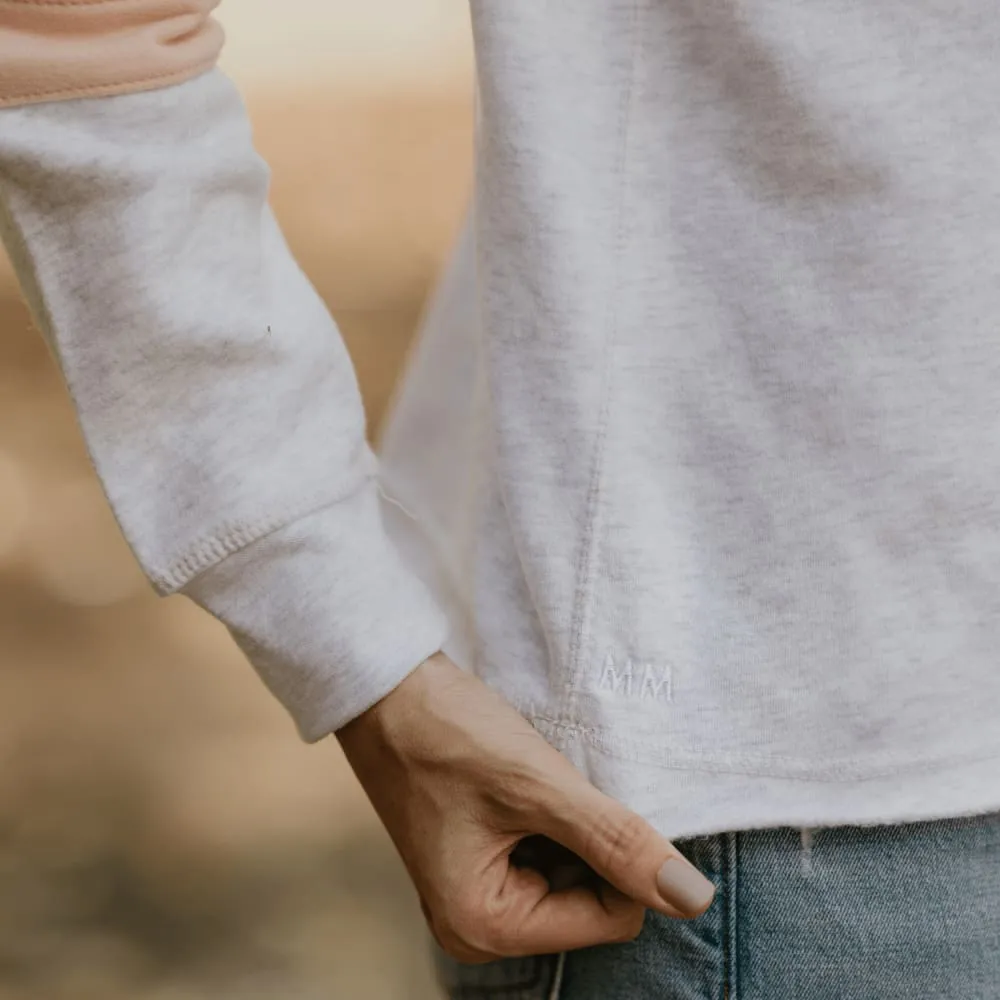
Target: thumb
627, 852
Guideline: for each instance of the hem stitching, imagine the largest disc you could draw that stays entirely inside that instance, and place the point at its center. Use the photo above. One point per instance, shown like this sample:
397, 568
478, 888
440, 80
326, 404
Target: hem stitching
745, 764
233, 538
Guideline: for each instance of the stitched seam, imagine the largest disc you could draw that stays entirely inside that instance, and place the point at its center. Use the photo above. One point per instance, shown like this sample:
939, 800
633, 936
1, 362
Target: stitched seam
557, 979
100, 89
731, 971
616, 747
233, 537
583, 597
655, 755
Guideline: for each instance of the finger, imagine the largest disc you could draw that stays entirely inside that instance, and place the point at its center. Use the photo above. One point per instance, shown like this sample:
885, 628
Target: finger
562, 868
461, 952
626, 851
451, 943
541, 922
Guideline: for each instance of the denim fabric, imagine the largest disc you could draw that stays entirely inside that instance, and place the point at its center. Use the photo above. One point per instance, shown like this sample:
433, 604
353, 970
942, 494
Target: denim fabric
834, 914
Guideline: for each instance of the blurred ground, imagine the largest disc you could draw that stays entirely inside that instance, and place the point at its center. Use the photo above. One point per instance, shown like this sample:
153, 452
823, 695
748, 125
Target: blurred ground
163, 834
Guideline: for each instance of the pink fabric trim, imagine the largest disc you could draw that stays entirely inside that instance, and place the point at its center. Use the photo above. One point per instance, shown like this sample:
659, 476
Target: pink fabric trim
61, 49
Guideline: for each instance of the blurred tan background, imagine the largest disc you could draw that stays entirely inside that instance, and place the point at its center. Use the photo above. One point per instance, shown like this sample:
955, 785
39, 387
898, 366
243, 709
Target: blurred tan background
163, 834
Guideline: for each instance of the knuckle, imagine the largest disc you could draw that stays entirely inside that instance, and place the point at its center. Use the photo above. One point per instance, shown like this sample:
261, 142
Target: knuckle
472, 924
453, 932
620, 839
461, 952
505, 938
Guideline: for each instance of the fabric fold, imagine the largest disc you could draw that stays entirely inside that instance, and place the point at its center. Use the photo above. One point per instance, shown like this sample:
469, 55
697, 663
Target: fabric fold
53, 50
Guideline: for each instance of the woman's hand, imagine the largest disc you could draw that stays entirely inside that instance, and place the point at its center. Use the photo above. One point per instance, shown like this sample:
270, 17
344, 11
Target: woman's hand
462, 782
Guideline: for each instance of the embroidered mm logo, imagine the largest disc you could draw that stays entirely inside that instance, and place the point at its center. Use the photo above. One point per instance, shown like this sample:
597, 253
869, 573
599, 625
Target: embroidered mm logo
637, 679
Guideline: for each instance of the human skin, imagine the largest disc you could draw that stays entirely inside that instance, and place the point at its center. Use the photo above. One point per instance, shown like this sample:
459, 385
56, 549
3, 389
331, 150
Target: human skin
462, 782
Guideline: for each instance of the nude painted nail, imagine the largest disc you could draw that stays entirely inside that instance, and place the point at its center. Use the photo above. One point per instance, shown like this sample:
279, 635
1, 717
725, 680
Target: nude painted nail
684, 887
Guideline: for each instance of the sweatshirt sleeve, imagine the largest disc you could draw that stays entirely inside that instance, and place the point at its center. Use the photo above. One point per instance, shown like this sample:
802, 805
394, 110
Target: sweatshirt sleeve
214, 392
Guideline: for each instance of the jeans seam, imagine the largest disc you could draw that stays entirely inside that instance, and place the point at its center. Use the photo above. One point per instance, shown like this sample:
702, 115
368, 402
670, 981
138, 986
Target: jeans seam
557, 979
731, 976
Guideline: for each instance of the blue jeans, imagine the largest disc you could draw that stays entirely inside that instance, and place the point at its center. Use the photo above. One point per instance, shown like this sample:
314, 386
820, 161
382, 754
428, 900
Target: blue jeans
836, 914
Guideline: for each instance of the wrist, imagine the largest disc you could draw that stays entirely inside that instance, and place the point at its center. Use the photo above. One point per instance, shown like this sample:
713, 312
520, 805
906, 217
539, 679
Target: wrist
390, 714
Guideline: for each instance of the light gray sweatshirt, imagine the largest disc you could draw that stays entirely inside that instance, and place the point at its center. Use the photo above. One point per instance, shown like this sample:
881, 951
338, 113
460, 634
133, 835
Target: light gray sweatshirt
699, 459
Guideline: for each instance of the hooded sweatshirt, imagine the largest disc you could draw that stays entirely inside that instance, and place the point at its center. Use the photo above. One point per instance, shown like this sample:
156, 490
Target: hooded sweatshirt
698, 458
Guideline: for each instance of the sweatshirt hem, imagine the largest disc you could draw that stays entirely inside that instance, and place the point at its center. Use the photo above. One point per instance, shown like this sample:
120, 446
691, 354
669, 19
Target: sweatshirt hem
689, 801
770, 766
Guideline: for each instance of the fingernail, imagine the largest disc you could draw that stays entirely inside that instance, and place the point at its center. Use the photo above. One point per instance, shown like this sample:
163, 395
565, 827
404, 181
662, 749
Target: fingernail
684, 887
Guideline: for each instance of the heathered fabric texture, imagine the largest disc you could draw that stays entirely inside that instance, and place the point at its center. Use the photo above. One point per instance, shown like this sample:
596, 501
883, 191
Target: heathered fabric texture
216, 397
701, 441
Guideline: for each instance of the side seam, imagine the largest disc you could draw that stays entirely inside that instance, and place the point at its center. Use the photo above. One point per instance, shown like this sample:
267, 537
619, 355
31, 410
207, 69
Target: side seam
583, 596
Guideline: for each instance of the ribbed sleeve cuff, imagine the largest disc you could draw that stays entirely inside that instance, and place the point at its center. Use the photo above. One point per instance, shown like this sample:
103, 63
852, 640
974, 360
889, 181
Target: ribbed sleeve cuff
326, 612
